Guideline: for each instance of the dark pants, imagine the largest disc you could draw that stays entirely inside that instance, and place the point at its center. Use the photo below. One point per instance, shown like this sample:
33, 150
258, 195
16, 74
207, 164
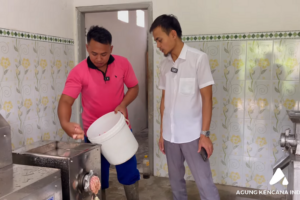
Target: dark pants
127, 172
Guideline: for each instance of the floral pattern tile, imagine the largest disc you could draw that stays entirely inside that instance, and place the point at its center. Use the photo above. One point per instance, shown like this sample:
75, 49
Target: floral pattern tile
8, 102
257, 172
286, 60
258, 100
31, 132
212, 49
18, 139
232, 139
160, 166
258, 140
216, 100
285, 96
232, 97
233, 61
256, 81
242, 36
232, 171
48, 129
215, 135
259, 60
32, 76
33, 36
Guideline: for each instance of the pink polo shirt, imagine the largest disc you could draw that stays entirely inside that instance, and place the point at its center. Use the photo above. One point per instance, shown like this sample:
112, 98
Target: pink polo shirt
99, 95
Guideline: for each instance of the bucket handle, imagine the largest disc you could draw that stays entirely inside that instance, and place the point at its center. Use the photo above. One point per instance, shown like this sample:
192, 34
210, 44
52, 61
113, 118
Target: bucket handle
128, 123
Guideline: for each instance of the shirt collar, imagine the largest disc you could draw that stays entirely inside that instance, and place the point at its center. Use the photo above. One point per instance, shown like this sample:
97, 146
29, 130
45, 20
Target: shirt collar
182, 54
91, 64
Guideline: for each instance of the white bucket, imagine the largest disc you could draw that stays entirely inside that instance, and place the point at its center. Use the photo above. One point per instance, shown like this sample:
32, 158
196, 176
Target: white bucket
118, 144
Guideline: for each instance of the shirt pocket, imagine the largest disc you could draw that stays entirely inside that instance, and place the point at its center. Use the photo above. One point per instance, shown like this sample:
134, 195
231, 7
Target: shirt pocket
187, 86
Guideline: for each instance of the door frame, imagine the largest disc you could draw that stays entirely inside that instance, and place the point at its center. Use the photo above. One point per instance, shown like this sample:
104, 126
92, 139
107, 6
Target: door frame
80, 50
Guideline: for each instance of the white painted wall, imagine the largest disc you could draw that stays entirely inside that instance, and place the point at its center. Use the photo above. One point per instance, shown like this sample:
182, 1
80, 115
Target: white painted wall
220, 16
129, 41
51, 17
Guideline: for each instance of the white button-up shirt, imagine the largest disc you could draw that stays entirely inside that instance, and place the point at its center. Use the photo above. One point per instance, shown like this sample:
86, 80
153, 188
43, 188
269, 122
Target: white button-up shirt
182, 119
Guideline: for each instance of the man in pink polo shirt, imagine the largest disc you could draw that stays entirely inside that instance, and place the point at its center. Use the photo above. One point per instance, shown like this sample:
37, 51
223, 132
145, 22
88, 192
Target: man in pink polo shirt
100, 79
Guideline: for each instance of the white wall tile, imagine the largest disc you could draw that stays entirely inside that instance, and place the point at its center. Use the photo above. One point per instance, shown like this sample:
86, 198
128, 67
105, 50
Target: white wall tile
247, 78
32, 79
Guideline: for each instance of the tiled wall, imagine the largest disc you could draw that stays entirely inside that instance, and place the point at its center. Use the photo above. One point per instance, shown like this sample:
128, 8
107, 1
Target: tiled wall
33, 70
256, 81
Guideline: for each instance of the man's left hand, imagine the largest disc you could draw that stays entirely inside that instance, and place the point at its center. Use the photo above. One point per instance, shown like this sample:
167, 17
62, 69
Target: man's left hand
122, 109
206, 143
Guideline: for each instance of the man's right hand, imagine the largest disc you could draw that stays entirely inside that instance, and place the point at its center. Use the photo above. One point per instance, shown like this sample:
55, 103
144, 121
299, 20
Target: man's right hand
73, 130
161, 145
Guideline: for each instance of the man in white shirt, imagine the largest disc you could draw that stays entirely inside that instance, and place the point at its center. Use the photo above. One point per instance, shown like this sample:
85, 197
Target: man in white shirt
186, 109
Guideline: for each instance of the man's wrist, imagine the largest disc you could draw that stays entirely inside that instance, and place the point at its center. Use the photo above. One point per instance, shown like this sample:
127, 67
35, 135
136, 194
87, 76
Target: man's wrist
63, 124
205, 133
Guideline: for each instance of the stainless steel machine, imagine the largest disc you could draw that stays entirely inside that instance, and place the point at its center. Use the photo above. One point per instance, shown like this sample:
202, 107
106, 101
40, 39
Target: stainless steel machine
290, 142
79, 164
20, 182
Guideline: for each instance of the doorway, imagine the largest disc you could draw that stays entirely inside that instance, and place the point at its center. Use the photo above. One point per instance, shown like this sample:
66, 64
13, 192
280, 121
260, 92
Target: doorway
129, 25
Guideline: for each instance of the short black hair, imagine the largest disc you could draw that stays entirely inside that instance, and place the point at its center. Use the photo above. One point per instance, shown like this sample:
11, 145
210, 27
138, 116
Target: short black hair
167, 23
99, 34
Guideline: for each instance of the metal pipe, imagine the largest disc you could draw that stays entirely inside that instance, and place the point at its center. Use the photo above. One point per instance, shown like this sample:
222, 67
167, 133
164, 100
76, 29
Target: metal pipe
282, 162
